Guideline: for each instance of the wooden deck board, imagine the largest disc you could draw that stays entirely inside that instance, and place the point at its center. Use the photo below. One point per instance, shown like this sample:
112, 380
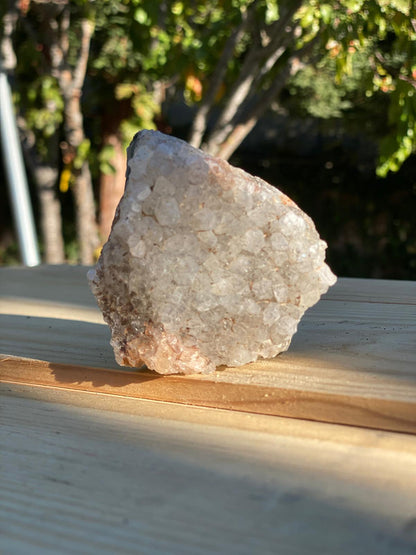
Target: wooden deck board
83, 480
98, 459
353, 360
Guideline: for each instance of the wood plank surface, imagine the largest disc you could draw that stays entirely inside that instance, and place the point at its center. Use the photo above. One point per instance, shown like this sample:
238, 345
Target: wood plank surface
84, 480
353, 360
97, 459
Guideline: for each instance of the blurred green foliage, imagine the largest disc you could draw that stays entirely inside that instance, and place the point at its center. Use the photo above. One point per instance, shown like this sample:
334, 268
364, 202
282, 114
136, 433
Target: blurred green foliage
372, 45
365, 47
145, 55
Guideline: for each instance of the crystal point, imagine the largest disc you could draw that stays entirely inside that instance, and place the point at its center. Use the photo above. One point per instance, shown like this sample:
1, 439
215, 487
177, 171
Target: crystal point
205, 265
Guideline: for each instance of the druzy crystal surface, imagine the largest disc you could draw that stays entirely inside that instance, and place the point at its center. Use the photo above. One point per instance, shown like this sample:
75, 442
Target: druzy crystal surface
205, 265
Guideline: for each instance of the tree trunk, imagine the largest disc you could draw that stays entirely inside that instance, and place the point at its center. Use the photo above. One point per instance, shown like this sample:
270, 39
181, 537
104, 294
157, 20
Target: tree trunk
86, 226
85, 215
71, 83
45, 175
111, 185
50, 214
85, 218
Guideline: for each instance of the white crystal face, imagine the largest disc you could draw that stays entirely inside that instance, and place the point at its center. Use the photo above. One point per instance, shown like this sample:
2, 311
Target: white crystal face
205, 265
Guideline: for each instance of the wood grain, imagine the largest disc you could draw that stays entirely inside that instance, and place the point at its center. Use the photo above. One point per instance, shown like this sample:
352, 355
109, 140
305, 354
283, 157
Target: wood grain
83, 480
357, 410
98, 459
353, 360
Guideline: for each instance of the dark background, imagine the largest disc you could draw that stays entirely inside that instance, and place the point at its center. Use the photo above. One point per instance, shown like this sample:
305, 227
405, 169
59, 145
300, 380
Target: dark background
368, 222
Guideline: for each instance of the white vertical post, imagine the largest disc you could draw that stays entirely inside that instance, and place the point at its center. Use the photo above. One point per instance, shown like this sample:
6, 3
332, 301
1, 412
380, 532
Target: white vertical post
16, 177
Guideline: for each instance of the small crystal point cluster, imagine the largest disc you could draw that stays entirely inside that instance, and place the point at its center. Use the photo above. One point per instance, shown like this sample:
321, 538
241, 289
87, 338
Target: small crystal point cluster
205, 265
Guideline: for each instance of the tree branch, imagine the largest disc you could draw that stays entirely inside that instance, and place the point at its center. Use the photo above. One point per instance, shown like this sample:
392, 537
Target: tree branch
7, 53
277, 27
251, 72
64, 32
53, 38
87, 30
277, 52
241, 94
240, 131
216, 79
236, 97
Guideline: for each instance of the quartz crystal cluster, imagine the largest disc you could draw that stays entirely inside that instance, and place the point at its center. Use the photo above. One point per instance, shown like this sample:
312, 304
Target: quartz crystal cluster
205, 265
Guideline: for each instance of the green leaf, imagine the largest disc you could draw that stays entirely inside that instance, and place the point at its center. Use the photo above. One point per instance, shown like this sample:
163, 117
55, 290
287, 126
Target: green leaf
177, 8
82, 154
141, 16
272, 11
326, 13
353, 6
